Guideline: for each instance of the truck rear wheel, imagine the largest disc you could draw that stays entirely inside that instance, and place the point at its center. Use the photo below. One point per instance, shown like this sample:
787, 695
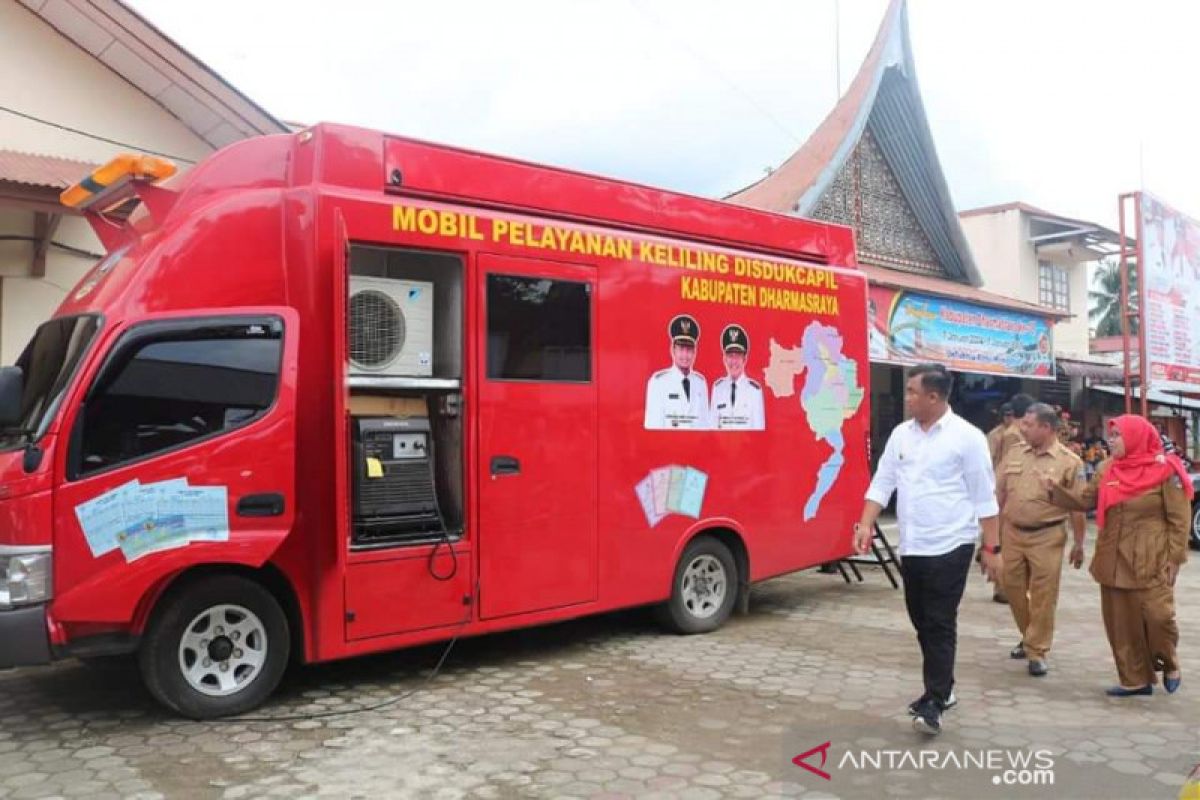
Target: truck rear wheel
215, 647
704, 588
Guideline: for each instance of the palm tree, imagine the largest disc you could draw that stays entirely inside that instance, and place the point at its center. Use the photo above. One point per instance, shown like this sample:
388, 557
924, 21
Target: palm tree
1104, 298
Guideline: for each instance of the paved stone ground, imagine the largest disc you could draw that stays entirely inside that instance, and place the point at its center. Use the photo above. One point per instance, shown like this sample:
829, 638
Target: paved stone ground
609, 707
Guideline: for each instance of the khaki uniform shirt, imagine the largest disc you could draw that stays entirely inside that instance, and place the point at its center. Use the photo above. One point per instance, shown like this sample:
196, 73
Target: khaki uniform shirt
1011, 441
993, 438
1027, 504
1141, 536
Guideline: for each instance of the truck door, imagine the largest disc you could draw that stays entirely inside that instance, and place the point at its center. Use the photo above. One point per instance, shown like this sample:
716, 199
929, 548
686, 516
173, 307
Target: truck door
181, 452
537, 435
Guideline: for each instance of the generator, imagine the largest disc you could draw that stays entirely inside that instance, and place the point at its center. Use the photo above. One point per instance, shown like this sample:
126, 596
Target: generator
395, 498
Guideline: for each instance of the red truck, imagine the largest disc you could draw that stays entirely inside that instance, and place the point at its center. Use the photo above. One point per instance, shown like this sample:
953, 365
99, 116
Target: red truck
338, 392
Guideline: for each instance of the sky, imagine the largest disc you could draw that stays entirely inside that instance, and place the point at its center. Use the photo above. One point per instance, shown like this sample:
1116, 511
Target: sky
1063, 104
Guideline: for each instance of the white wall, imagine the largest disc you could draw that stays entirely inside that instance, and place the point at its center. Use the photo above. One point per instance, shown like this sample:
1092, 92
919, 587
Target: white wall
995, 241
27, 302
1071, 336
44, 74
1008, 263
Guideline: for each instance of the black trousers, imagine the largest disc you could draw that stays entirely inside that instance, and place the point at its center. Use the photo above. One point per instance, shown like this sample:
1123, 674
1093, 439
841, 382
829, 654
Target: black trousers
933, 588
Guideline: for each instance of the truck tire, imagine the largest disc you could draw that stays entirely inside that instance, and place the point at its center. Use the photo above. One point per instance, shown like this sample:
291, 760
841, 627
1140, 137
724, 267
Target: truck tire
1194, 538
704, 589
215, 647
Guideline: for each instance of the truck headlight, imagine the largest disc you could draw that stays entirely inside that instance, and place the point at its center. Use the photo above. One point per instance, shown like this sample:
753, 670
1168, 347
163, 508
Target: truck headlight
24, 576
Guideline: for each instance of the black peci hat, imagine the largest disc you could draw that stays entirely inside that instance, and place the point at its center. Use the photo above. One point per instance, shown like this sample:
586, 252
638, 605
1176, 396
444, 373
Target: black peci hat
684, 330
734, 339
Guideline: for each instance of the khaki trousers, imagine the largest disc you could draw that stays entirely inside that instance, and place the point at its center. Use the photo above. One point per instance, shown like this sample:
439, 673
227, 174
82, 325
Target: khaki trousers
1142, 631
1032, 571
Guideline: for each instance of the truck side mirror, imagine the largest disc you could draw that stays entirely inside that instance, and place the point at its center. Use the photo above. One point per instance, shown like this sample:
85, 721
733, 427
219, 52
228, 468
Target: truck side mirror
12, 385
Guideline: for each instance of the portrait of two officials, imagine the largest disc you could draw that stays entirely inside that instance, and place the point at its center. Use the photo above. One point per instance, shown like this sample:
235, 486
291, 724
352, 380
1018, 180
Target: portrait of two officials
678, 398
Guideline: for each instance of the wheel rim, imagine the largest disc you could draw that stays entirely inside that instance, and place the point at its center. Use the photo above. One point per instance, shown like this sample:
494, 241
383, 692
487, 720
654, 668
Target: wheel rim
1196, 524
223, 649
705, 585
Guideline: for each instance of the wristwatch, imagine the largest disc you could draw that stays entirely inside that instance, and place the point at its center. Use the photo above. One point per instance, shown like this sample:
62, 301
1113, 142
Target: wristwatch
995, 550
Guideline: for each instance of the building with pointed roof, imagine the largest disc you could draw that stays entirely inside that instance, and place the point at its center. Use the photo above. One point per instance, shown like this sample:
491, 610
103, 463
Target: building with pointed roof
80, 82
872, 165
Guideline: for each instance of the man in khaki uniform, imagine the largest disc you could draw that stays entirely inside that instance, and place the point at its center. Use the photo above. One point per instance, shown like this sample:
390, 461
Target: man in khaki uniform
1033, 531
996, 434
1009, 442
1012, 440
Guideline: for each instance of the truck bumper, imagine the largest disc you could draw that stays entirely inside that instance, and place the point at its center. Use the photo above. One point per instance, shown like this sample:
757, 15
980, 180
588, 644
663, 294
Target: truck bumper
24, 639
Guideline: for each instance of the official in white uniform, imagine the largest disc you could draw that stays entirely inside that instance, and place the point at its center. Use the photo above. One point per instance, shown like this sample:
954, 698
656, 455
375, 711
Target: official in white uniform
677, 397
737, 401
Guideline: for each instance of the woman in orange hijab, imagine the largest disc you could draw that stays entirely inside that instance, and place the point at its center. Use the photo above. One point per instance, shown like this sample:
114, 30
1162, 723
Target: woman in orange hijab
1142, 498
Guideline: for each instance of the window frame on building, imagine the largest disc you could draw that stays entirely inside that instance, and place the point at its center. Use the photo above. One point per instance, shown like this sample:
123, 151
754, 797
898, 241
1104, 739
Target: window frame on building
1054, 286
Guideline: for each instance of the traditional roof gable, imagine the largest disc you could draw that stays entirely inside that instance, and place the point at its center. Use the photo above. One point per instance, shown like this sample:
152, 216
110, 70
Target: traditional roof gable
872, 165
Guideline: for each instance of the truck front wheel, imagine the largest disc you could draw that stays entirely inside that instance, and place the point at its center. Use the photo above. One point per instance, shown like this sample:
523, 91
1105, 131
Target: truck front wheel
704, 588
216, 646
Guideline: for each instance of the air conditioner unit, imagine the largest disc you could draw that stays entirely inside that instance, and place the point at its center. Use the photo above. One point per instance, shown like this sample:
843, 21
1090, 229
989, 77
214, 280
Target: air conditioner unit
391, 327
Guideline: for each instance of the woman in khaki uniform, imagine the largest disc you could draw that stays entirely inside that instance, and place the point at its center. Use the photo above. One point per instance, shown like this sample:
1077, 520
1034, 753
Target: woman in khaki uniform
1143, 501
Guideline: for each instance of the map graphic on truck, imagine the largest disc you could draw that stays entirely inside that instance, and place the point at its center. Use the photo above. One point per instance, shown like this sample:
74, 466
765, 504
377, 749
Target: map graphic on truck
830, 395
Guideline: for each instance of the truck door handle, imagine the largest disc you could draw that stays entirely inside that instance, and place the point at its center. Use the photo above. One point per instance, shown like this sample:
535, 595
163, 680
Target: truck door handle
261, 505
505, 465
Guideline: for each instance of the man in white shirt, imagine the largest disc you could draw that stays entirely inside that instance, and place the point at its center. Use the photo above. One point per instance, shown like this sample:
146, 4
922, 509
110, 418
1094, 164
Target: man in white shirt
940, 466
737, 401
677, 397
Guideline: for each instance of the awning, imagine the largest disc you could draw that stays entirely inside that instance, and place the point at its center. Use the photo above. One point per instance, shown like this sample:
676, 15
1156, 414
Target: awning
30, 169
1093, 370
1169, 399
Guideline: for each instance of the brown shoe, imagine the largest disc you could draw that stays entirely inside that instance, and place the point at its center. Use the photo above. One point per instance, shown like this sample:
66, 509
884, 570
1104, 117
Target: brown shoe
998, 596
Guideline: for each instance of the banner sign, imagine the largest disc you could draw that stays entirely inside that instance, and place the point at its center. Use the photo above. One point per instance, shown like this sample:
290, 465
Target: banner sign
911, 328
1171, 267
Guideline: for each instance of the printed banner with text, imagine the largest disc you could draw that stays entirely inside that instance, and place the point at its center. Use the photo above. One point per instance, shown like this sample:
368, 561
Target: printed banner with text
1171, 260
910, 328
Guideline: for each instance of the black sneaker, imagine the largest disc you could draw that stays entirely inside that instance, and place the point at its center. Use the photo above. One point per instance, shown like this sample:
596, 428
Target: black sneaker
1038, 668
915, 705
1017, 652
928, 719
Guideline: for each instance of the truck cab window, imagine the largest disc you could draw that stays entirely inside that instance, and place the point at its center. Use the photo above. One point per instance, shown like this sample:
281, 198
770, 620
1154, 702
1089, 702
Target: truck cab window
538, 329
49, 363
167, 392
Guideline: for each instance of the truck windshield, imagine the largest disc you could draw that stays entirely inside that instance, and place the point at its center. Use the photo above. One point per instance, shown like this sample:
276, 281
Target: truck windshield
49, 361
